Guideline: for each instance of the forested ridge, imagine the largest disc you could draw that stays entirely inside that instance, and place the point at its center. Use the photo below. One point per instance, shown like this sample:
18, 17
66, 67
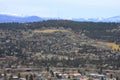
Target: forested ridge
96, 30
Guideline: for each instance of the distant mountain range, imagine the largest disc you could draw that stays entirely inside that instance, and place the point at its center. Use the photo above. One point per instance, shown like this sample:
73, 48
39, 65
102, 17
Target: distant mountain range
111, 19
10, 18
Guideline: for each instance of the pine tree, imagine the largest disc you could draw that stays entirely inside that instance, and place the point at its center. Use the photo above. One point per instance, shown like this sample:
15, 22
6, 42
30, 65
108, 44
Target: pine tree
117, 78
19, 75
31, 77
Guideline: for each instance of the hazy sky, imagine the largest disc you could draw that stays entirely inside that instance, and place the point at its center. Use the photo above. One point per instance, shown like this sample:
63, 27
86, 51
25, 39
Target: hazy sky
62, 8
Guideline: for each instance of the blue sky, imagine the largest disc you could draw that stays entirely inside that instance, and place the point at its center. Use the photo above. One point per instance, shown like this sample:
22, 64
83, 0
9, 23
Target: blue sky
61, 8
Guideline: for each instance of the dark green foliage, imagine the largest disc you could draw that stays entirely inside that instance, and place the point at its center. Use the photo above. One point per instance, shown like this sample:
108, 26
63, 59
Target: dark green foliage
27, 77
11, 76
111, 76
19, 75
31, 77
52, 74
117, 78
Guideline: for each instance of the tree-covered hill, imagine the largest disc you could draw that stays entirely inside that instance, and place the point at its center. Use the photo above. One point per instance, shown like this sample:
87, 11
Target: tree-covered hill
99, 30
60, 43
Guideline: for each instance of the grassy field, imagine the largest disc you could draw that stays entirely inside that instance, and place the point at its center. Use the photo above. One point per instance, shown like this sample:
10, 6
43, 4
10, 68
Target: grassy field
50, 30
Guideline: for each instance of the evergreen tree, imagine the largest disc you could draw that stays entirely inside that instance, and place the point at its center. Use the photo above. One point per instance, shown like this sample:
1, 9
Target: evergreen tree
31, 77
10, 78
117, 78
111, 76
19, 75
27, 77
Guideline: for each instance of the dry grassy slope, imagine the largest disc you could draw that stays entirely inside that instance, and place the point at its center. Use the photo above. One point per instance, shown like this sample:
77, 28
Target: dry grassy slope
113, 46
73, 38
